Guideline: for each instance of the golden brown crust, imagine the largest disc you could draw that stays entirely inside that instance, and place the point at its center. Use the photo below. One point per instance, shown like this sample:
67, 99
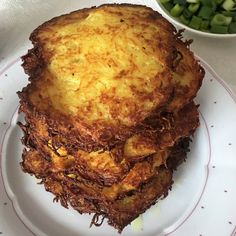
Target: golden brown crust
88, 197
108, 167
122, 124
34, 162
187, 76
109, 109
185, 90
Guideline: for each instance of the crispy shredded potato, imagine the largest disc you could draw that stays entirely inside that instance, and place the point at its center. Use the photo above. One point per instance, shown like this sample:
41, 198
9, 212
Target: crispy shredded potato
109, 109
105, 68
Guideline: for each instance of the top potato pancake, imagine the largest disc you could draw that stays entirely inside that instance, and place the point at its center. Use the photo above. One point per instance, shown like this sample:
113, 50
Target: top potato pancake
103, 70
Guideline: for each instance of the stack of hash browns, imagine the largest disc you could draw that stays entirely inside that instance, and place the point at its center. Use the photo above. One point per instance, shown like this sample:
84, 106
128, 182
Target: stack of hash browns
109, 109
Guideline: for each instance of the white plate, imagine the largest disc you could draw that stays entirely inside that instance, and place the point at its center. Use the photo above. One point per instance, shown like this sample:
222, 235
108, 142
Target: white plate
202, 199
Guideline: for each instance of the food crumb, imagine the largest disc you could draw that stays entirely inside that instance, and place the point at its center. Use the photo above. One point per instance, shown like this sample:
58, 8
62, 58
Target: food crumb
137, 224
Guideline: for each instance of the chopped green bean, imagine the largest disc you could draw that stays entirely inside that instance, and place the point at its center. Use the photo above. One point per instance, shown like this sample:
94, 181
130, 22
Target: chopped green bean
218, 2
168, 6
193, 1
220, 19
184, 20
180, 2
176, 10
164, 1
232, 27
193, 7
205, 12
205, 25
228, 5
188, 14
195, 22
219, 29
208, 3
229, 13
216, 16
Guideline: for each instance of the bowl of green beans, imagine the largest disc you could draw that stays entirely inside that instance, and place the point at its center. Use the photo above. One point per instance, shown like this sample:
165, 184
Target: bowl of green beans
213, 18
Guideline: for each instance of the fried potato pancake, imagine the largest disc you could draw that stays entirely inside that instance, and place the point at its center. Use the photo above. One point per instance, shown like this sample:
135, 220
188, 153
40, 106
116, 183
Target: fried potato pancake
103, 70
109, 166
109, 109
119, 213
187, 77
139, 174
120, 203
